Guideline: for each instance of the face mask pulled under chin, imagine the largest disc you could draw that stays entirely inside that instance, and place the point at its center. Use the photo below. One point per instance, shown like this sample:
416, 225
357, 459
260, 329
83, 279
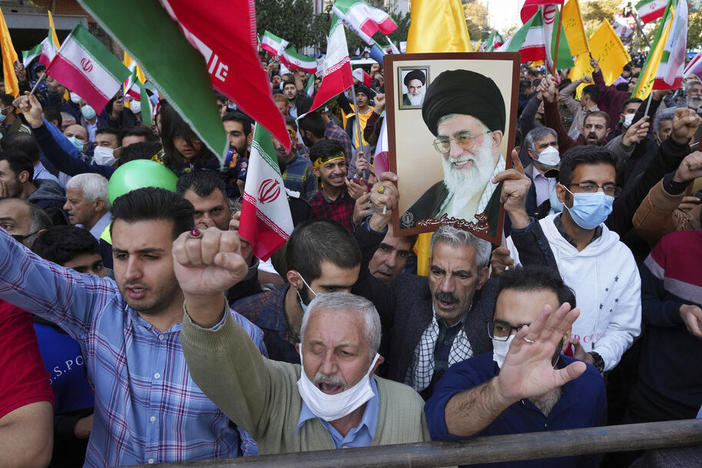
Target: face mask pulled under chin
332, 407
500, 349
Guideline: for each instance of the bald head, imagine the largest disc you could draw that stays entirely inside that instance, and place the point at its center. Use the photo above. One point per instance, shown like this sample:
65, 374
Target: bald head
21, 218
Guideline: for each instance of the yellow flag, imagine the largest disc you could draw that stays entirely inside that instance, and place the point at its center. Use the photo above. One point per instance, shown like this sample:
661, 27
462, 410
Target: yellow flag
54, 37
140, 74
438, 26
648, 73
9, 57
421, 249
573, 28
609, 52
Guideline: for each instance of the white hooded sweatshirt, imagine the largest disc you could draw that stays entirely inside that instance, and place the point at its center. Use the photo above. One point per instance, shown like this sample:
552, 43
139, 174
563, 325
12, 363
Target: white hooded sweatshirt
607, 288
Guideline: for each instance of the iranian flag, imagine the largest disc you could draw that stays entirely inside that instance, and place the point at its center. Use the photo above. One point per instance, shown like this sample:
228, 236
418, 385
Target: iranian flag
536, 40
380, 159
494, 42
651, 10
85, 66
273, 44
364, 19
695, 66
337, 66
31, 54
297, 61
670, 71
266, 221
361, 75
309, 87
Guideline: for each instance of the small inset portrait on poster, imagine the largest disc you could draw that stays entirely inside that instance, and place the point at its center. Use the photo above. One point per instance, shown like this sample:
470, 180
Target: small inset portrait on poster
447, 154
413, 86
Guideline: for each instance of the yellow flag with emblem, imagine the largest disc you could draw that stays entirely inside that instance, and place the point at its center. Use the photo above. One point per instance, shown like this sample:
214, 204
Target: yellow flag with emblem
574, 29
650, 68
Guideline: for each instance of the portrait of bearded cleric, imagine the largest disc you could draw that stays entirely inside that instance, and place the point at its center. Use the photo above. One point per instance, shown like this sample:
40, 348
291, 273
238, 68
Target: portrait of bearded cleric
463, 121
414, 87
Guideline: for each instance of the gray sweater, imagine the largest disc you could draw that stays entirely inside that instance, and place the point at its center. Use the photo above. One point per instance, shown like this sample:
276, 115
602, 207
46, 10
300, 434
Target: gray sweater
261, 395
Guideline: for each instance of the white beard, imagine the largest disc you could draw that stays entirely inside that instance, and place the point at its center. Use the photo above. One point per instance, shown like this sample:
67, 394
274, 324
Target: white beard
465, 184
417, 100
694, 102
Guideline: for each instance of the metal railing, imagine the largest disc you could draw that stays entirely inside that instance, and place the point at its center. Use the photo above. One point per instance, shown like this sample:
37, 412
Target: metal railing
529, 446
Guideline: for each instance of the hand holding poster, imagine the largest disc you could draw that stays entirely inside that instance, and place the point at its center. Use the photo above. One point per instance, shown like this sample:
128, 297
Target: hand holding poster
447, 148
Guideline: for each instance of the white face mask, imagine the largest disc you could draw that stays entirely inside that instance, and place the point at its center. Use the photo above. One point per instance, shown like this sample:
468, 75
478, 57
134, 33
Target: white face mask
104, 156
332, 407
75, 99
500, 349
549, 157
135, 107
628, 118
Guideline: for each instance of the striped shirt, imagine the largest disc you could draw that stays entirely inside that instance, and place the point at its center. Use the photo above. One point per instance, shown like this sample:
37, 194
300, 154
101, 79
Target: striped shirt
147, 407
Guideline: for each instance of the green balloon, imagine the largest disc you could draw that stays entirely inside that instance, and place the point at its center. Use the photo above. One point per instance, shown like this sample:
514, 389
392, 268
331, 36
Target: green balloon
138, 174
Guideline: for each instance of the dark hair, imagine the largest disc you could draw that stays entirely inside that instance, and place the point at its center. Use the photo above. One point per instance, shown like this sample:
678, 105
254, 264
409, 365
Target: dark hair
598, 113
109, 131
314, 123
150, 204
582, 154
630, 101
290, 122
622, 87
238, 116
51, 114
524, 85
536, 278
173, 126
61, 244
18, 162
138, 151
137, 130
7, 99
203, 183
24, 142
593, 91
321, 240
289, 83
325, 149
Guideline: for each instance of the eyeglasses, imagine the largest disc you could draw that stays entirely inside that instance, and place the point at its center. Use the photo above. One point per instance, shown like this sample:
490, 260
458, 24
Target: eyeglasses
465, 140
590, 187
501, 331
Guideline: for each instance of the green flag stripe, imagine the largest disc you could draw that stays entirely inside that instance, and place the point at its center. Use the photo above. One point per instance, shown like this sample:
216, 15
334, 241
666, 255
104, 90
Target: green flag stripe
102, 54
264, 147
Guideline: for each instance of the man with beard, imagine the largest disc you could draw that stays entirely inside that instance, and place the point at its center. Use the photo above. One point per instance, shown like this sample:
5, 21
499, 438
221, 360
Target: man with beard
525, 384
147, 408
414, 82
239, 134
694, 94
466, 112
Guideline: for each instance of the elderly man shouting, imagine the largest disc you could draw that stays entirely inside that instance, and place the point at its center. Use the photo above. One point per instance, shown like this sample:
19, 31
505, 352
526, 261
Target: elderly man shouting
332, 401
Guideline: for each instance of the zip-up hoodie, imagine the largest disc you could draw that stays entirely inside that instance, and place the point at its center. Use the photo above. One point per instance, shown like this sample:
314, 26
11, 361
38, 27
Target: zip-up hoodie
607, 288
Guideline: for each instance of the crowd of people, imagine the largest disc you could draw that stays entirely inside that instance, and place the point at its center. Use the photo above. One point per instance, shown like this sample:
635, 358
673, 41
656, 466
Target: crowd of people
140, 328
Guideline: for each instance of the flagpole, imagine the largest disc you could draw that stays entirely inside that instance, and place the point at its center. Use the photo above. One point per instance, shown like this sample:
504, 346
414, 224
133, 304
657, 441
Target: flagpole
648, 104
37, 83
635, 14
358, 122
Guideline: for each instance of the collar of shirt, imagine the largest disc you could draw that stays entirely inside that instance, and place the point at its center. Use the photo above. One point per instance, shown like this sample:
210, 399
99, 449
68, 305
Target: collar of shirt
101, 224
361, 435
561, 230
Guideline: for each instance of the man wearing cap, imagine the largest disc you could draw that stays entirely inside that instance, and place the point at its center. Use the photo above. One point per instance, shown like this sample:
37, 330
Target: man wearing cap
414, 82
365, 110
465, 111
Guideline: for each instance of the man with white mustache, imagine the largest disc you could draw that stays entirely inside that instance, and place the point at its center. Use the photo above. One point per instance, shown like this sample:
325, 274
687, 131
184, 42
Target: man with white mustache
466, 112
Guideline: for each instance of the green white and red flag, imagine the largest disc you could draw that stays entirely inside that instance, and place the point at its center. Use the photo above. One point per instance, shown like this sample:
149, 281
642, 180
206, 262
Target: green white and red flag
493, 42
695, 66
297, 61
309, 87
364, 18
31, 54
273, 44
670, 71
651, 10
85, 66
337, 66
265, 221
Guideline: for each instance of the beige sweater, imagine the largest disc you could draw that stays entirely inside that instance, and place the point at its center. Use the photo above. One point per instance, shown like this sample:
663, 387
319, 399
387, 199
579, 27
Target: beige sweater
261, 395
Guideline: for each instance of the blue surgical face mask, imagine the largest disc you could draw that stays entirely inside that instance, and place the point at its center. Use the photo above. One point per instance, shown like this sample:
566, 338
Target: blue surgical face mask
2, 117
88, 112
77, 143
590, 209
556, 204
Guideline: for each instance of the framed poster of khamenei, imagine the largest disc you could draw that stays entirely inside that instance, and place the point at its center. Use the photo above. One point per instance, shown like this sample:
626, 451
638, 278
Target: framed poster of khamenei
451, 125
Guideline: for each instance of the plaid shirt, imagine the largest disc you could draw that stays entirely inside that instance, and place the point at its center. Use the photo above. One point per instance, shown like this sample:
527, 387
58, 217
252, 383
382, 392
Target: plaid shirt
339, 210
267, 311
147, 407
298, 176
336, 133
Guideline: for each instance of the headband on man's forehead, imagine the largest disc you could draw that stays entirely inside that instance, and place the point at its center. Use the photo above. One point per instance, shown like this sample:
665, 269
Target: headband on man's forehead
322, 160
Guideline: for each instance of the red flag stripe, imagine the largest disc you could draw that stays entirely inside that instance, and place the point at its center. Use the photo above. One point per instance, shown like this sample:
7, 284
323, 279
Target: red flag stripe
73, 78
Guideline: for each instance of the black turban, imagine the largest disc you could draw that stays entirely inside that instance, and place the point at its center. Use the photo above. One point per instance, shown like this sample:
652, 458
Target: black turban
415, 75
464, 92
361, 88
